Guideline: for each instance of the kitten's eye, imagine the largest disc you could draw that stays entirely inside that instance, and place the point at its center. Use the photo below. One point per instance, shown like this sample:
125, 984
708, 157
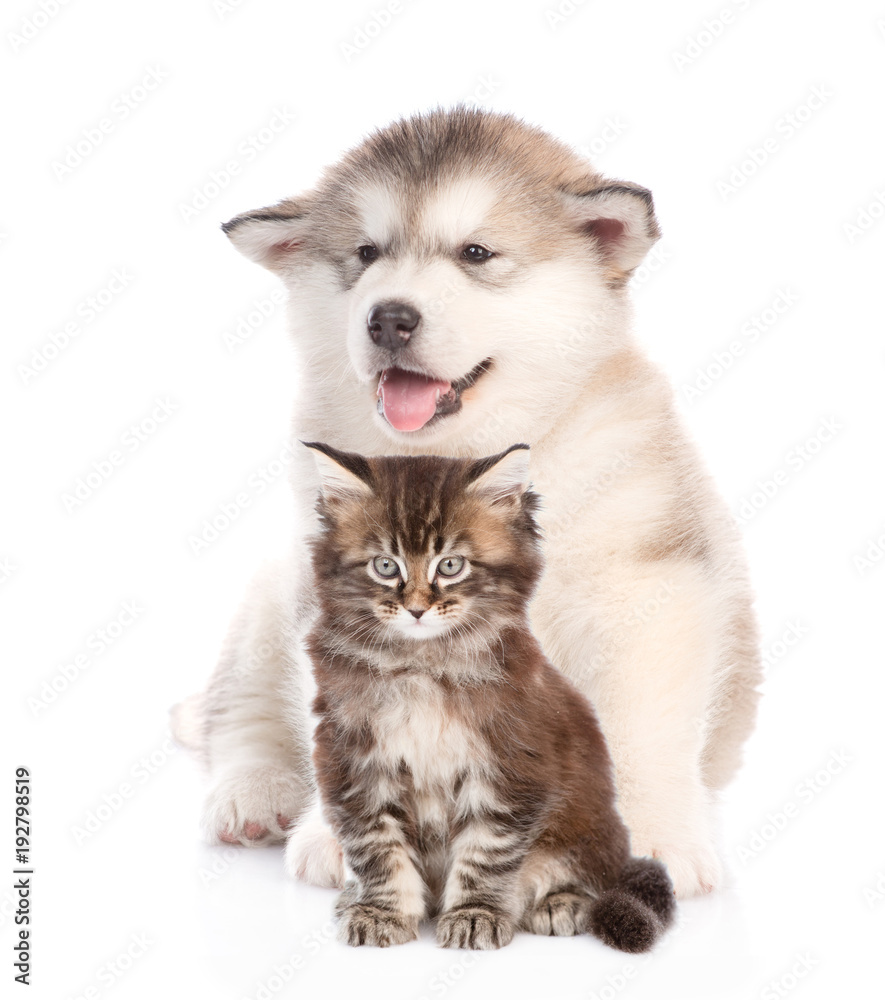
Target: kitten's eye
476, 254
385, 566
368, 253
450, 565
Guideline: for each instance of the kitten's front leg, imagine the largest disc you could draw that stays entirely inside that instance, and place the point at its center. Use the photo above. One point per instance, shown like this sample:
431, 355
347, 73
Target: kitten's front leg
479, 901
385, 902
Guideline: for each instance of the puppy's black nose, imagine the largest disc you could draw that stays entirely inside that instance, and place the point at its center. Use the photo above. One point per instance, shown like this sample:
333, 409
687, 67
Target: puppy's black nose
391, 324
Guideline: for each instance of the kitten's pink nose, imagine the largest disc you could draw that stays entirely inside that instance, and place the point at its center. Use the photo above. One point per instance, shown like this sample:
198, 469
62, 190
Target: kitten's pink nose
417, 612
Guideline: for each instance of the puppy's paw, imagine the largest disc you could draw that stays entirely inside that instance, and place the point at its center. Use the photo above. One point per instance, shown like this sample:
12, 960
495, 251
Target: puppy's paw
476, 928
313, 853
363, 924
561, 914
253, 806
682, 837
693, 867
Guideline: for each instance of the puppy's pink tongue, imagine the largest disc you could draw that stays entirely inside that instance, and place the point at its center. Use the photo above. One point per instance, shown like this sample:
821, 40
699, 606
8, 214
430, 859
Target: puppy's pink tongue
409, 400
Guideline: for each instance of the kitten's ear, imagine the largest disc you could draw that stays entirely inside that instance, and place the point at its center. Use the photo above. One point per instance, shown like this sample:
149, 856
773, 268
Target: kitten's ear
271, 236
342, 474
501, 477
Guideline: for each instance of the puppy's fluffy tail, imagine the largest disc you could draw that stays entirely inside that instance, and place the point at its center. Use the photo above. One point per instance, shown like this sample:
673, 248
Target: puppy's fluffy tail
188, 719
636, 908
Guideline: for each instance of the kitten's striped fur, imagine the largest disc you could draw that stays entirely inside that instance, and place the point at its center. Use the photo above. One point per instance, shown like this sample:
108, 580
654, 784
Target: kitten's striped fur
463, 775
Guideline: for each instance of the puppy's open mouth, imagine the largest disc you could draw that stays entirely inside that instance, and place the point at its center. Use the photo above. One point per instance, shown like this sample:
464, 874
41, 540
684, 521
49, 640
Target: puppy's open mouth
408, 401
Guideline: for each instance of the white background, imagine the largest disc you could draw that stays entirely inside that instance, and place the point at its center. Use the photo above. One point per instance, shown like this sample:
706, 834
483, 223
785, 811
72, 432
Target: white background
660, 98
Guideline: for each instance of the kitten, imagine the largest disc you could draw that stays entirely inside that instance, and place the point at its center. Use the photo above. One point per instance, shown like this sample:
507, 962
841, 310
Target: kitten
464, 776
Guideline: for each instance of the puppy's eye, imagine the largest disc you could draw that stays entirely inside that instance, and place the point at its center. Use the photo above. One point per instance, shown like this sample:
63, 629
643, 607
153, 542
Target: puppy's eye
450, 565
385, 566
476, 254
368, 253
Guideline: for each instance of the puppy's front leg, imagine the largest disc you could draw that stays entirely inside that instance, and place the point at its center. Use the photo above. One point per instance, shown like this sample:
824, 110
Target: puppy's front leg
652, 682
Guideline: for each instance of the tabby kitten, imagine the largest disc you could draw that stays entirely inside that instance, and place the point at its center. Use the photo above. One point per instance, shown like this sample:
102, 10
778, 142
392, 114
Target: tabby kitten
463, 774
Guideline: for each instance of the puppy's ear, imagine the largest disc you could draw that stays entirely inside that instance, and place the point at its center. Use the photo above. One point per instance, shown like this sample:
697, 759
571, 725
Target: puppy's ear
620, 219
271, 236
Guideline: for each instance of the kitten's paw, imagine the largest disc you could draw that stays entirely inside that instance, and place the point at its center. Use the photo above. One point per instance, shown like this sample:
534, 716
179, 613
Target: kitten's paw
253, 806
477, 928
694, 868
561, 914
347, 897
363, 924
313, 853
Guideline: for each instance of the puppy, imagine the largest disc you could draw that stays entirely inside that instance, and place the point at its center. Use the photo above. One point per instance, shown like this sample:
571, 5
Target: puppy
457, 282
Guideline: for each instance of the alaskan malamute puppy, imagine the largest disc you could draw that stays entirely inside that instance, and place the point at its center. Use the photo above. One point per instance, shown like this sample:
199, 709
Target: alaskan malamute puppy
459, 283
